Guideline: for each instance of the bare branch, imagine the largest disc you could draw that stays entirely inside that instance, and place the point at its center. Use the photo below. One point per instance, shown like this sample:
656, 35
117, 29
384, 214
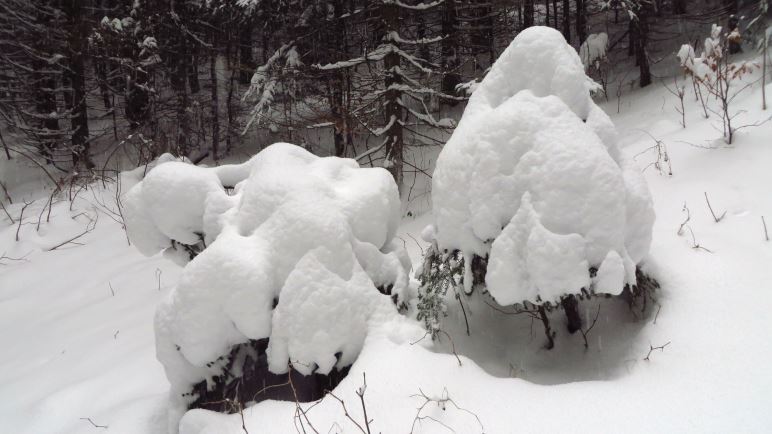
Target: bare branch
587, 332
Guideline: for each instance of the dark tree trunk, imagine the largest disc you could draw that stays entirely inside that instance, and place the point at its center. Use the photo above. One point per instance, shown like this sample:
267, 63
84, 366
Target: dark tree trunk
450, 79
571, 307
76, 75
100, 69
215, 102
547, 329
193, 69
639, 36
567, 20
393, 136
246, 60
231, 115
527, 14
45, 104
581, 20
338, 40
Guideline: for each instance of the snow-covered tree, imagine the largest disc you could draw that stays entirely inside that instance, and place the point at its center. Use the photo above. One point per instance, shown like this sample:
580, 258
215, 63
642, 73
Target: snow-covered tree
531, 192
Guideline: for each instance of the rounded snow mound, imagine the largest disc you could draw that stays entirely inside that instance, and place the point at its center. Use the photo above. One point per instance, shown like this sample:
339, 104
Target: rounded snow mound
532, 178
293, 256
539, 60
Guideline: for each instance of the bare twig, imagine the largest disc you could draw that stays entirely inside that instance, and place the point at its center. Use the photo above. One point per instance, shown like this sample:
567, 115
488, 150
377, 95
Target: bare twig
158, 273
95, 425
5, 191
587, 332
71, 240
683, 224
299, 411
652, 348
717, 219
47, 205
7, 213
442, 403
452, 345
657, 314
764, 223
8, 258
361, 394
695, 244
21, 217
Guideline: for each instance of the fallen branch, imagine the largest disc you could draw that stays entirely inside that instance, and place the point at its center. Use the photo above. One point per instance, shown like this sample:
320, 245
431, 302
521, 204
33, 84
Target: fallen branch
89, 228
8, 258
652, 348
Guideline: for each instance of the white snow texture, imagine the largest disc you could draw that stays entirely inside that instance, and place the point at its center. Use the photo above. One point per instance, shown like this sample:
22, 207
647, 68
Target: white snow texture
532, 176
313, 235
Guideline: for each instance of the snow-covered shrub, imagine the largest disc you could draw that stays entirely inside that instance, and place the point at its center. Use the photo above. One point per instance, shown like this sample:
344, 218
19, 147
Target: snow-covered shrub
715, 73
294, 269
532, 190
593, 49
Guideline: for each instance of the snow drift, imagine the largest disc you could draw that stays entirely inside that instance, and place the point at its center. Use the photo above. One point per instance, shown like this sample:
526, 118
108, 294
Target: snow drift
533, 179
293, 256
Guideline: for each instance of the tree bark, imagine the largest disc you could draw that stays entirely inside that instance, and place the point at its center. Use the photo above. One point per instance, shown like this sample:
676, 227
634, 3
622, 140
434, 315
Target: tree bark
527, 13
215, 102
581, 21
393, 110
76, 75
448, 48
567, 20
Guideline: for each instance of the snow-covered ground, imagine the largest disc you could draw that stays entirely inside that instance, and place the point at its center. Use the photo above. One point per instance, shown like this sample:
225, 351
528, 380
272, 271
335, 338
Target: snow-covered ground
77, 322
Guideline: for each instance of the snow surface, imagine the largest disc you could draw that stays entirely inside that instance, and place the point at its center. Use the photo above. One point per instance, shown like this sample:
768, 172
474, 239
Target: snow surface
311, 236
526, 180
63, 361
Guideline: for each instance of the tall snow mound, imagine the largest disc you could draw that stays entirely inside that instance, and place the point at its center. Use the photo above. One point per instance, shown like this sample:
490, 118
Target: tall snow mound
533, 178
294, 255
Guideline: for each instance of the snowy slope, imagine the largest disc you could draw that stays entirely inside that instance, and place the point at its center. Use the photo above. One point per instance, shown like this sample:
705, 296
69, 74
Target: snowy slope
61, 360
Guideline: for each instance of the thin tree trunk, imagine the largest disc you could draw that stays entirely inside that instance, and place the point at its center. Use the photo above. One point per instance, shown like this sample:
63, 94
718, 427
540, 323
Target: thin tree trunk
76, 74
764, 77
581, 20
567, 20
527, 14
393, 110
215, 102
448, 48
